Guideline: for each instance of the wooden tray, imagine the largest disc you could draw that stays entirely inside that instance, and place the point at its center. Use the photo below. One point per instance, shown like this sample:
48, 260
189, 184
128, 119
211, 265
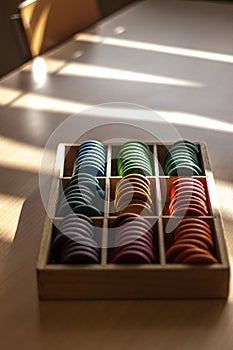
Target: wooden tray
118, 281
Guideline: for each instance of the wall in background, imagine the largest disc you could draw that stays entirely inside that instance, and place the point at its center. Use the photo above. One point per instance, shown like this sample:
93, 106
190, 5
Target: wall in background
109, 6
12, 53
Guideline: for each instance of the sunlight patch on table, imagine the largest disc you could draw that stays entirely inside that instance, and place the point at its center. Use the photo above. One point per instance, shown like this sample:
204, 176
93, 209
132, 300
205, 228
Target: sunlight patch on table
43, 103
7, 95
51, 65
50, 104
20, 156
197, 121
93, 71
141, 45
10, 208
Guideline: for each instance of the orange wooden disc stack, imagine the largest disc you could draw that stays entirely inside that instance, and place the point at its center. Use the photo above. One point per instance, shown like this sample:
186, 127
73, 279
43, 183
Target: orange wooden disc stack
192, 243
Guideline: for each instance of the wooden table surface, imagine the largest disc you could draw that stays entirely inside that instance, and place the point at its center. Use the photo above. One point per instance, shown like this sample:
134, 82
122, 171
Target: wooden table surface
174, 57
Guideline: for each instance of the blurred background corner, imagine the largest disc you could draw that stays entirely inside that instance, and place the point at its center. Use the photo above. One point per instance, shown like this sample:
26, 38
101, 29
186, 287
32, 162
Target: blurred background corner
16, 45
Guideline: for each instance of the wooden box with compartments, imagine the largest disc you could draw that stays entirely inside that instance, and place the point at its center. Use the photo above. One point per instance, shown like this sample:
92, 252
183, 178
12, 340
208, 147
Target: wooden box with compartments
167, 271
